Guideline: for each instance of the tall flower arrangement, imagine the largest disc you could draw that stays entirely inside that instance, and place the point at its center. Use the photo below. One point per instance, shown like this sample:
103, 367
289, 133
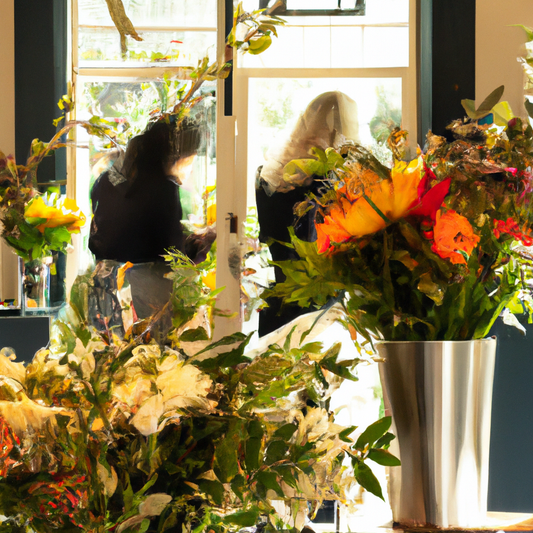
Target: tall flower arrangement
434, 248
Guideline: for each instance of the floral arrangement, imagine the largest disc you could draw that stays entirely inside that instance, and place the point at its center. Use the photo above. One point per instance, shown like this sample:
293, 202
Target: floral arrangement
34, 224
102, 433
434, 248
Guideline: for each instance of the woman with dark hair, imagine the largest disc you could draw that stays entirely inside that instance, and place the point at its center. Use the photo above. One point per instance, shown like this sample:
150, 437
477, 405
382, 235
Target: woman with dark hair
136, 204
137, 217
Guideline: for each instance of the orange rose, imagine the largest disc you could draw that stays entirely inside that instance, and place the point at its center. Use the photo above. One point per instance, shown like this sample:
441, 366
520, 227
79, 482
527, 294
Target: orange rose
454, 237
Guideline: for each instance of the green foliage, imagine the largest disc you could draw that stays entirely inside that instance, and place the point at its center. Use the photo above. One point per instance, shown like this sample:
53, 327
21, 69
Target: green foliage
485, 107
372, 444
125, 434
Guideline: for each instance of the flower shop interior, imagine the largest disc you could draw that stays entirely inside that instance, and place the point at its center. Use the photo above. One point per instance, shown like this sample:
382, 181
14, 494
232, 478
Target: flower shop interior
168, 362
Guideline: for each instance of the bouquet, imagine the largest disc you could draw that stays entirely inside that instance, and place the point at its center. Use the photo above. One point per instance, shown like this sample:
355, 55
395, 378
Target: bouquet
433, 248
35, 224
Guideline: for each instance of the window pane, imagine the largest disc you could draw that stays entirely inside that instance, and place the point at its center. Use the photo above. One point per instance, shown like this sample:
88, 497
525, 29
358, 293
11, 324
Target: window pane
99, 41
275, 105
101, 48
274, 109
378, 39
311, 4
149, 13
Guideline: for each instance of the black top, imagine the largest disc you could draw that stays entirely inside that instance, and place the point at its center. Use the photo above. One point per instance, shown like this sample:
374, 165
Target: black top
135, 223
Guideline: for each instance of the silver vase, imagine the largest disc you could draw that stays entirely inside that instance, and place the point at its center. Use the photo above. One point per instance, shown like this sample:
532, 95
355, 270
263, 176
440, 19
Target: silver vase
440, 397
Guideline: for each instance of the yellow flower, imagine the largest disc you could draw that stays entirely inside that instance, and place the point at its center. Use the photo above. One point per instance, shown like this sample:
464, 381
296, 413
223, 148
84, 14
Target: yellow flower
211, 214
210, 279
67, 214
383, 201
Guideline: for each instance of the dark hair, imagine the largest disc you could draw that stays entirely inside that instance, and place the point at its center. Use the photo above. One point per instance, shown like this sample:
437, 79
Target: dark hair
162, 143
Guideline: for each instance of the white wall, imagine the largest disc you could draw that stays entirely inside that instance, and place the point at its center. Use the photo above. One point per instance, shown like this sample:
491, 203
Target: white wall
7, 68
498, 44
8, 260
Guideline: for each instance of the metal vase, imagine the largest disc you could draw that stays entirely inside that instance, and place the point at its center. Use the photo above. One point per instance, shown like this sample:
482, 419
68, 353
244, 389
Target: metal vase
440, 397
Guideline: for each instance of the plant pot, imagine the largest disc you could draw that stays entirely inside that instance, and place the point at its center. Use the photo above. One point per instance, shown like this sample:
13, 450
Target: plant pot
440, 397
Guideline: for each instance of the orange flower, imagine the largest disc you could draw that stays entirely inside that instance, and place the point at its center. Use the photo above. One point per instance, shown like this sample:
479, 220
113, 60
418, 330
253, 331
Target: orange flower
67, 213
454, 237
357, 215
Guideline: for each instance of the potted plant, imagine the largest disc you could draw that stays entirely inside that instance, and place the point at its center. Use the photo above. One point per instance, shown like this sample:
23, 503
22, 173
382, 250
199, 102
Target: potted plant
424, 256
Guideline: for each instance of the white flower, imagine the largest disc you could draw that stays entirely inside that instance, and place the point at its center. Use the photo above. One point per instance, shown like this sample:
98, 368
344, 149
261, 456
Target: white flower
146, 420
10, 369
184, 385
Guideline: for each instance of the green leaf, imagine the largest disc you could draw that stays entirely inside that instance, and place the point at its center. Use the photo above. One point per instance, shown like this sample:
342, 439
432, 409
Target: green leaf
529, 107
213, 488
492, 99
470, 107
192, 335
276, 451
251, 453
225, 341
285, 432
502, 113
287, 476
344, 435
329, 362
383, 457
237, 485
529, 31
258, 46
312, 347
384, 441
255, 429
366, 478
226, 464
57, 237
373, 432
226, 359
244, 518
486, 106
431, 289
287, 343
270, 481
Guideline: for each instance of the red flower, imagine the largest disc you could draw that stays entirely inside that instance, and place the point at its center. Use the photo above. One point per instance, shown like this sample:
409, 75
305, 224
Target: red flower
510, 227
431, 201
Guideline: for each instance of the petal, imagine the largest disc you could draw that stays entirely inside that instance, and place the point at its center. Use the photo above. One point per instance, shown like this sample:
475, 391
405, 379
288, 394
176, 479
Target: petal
322, 241
432, 200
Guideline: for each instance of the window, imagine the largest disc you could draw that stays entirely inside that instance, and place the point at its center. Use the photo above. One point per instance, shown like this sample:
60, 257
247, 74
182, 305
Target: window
126, 84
